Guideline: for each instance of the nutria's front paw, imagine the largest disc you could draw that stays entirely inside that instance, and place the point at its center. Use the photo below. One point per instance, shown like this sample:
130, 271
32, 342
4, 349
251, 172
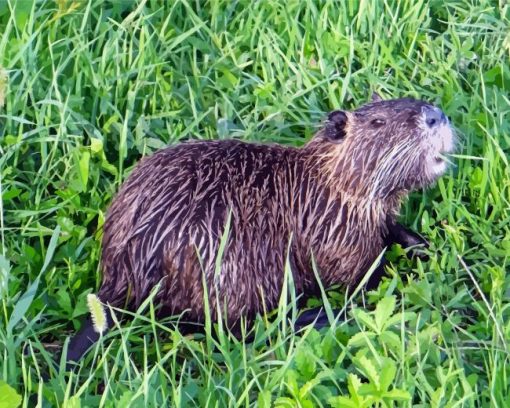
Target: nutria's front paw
415, 246
418, 252
412, 242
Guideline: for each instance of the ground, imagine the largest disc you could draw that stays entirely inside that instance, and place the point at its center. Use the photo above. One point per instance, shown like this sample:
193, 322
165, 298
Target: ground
88, 88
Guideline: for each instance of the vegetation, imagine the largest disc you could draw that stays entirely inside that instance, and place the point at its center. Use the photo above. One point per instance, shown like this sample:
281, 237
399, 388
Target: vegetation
88, 88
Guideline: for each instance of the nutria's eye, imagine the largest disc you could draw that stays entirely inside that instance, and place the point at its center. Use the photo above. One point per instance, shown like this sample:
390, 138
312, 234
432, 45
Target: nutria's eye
378, 122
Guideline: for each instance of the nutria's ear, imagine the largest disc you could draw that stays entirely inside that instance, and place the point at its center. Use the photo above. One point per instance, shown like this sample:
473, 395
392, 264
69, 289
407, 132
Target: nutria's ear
376, 97
335, 126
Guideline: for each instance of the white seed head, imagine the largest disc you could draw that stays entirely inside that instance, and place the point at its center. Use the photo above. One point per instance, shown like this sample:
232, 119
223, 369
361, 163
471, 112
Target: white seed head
97, 313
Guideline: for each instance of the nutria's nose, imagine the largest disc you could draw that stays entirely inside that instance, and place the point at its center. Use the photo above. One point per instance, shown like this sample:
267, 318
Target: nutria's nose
434, 116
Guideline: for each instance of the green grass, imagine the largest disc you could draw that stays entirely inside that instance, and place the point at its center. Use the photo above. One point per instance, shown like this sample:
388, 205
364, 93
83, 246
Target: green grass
93, 87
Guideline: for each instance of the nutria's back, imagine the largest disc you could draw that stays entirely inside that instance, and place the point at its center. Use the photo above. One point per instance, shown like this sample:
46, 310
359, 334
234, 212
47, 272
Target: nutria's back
330, 199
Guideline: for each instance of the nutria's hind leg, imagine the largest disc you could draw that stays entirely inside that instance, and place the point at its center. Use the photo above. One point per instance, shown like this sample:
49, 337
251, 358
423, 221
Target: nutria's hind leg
317, 316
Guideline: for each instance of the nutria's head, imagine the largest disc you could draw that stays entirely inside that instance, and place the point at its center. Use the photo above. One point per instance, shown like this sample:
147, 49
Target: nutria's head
386, 148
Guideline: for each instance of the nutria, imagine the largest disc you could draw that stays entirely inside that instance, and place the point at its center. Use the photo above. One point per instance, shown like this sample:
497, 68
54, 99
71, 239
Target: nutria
335, 199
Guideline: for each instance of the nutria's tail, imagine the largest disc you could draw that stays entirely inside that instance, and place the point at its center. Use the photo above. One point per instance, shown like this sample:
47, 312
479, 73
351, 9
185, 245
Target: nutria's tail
99, 321
82, 341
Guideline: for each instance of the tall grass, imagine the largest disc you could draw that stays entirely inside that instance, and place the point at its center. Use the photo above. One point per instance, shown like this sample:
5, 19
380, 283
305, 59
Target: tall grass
91, 87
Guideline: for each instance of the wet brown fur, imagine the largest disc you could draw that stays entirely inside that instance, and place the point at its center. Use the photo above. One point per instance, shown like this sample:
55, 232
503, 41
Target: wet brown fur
332, 199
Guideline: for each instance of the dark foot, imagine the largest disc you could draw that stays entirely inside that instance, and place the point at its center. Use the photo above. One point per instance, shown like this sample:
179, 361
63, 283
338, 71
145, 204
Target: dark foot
410, 240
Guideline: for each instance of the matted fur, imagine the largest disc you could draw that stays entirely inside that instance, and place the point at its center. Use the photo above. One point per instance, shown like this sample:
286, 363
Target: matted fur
332, 198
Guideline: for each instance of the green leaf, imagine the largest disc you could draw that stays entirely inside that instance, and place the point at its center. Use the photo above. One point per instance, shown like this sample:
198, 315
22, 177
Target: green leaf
83, 167
9, 398
361, 339
285, 402
305, 363
292, 383
51, 249
5, 271
96, 145
308, 386
26, 299
398, 395
420, 293
23, 304
363, 317
264, 399
388, 371
354, 385
367, 368
125, 398
391, 340
399, 318
73, 402
22, 9
369, 389
383, 311
342, 402
64, 301
110, 168
3, 85
11, 193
